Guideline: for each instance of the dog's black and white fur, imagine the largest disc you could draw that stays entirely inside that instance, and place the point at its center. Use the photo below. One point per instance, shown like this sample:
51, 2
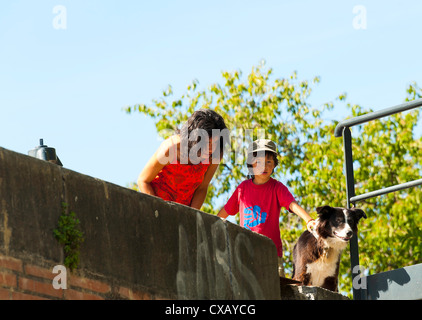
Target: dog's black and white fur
316, 256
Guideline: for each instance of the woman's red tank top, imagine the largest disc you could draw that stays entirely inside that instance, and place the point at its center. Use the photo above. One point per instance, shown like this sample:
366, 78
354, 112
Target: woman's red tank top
177, 182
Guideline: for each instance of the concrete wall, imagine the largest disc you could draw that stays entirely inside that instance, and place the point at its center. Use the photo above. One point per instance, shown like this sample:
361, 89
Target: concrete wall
137, 246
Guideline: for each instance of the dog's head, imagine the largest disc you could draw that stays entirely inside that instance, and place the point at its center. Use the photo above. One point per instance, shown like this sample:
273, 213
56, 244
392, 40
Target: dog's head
338, 223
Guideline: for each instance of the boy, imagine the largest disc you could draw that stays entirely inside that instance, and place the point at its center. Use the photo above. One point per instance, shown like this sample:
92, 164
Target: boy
260, 199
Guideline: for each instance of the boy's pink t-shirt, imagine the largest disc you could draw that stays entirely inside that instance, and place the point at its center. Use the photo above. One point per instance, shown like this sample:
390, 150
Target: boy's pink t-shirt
259, 207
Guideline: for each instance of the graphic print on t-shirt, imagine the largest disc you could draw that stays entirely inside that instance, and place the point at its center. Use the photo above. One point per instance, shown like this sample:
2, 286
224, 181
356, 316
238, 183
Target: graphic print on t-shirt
253, 217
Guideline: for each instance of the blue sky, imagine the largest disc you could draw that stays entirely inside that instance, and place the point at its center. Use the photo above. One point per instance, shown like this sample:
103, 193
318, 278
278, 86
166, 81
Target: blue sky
69, 86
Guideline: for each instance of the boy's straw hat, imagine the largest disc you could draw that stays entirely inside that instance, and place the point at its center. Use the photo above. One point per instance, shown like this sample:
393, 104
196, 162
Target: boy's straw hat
262, 145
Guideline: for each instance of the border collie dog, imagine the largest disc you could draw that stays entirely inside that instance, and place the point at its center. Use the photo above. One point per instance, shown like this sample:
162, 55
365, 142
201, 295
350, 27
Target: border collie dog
316, 256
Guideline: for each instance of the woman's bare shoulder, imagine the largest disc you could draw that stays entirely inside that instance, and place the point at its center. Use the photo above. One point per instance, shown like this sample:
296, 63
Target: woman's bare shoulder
168, 149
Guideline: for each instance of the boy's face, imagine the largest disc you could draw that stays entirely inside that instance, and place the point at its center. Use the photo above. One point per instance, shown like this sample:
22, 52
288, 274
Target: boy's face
263, 166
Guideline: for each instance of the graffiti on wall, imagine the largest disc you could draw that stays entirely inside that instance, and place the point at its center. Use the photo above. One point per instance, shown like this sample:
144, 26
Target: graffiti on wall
216, 266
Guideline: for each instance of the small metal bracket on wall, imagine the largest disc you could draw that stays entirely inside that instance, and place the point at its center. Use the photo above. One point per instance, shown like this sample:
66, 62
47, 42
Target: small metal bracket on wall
46, 153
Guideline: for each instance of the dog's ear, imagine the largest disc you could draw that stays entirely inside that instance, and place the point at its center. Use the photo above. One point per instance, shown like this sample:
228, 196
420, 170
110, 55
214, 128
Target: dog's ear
324, 211
359, 213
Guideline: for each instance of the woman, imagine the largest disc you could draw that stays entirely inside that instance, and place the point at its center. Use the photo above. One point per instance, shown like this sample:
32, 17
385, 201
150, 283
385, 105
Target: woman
184, 164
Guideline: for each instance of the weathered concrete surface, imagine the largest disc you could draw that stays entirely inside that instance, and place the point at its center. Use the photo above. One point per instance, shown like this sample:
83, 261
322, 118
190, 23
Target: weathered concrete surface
141, 241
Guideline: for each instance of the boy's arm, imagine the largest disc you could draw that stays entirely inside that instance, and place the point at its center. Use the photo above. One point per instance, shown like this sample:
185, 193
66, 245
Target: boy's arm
232, 205
297, 209
223, 213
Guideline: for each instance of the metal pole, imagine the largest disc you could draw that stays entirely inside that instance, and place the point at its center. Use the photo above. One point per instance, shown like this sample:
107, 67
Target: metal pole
376, 115
343, 128
350, 191
380, 192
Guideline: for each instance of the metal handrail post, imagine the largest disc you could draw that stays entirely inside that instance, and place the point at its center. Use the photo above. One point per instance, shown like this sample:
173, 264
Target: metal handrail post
350, 191
343, 129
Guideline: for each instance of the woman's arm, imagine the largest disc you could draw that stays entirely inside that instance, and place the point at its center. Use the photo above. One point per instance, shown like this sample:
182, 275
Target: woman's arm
163, 156
201, 192
149, 172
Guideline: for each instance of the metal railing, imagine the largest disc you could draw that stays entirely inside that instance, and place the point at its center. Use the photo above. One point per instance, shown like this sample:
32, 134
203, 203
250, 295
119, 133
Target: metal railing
343, 129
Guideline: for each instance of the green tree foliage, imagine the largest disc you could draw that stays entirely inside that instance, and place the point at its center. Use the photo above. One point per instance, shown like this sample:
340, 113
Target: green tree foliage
386, 152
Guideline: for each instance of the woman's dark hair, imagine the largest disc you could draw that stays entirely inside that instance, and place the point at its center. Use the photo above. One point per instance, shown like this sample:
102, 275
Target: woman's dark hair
249, 161
202, 122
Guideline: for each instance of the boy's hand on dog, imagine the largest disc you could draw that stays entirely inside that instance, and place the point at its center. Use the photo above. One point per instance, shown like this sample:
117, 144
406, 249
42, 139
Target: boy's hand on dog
311, 225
